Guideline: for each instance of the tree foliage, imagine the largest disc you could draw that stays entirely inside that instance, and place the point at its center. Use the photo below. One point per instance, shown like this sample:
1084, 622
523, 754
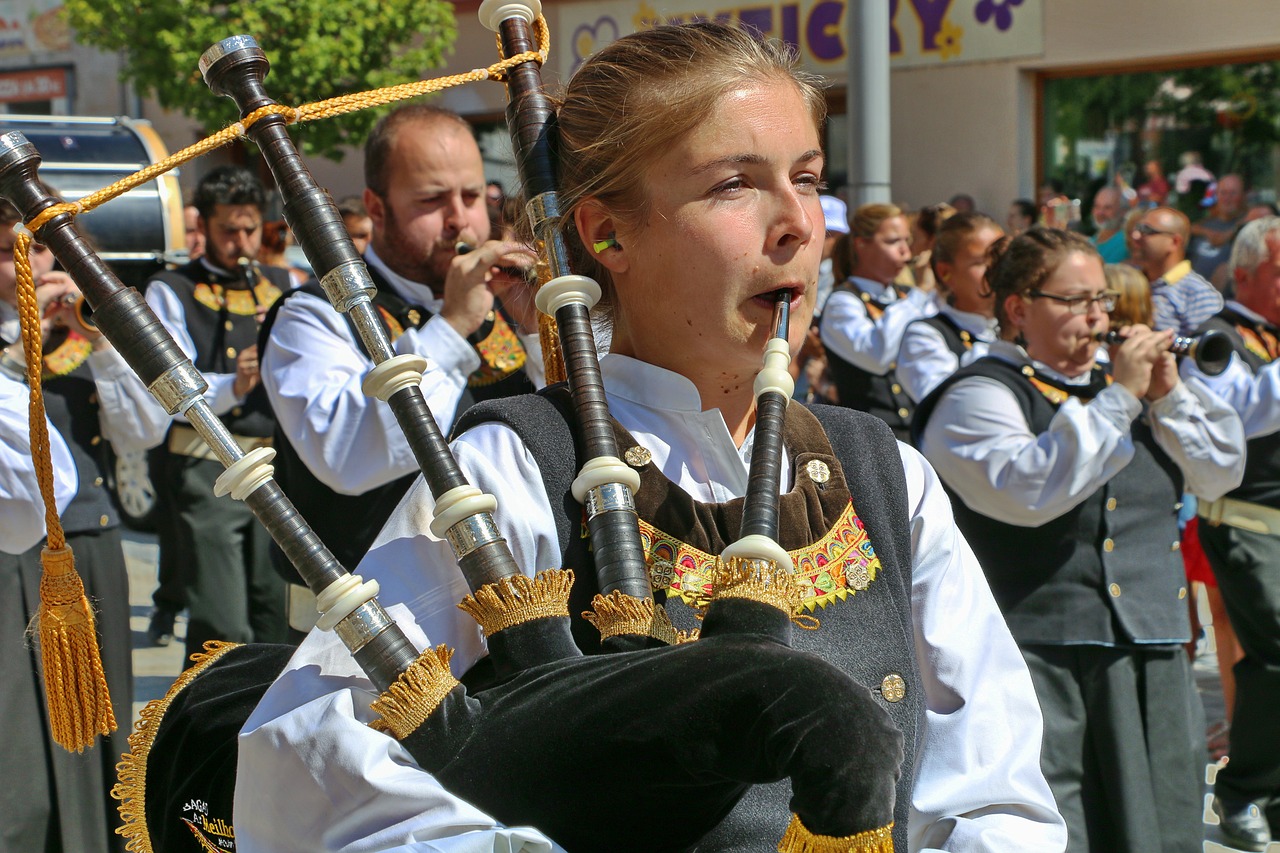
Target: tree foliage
318, 49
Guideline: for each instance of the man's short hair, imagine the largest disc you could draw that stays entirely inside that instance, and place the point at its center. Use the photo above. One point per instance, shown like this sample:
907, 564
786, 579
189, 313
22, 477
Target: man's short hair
352, 206
228, 185
377, 147
1251, 249
1027, 209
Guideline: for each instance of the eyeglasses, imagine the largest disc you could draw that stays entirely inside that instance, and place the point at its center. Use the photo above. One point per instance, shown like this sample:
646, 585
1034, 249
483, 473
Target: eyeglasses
1147, 230
1080, 304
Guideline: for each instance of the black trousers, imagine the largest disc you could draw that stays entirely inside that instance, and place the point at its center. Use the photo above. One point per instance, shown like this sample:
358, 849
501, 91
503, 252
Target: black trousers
1247, 566
232, 592
1121, 751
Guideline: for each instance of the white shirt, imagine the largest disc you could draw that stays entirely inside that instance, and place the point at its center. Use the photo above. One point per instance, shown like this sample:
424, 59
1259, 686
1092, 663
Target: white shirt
979, 441
220, 396
924, 359
1255, 396
871, 345
21, 507
312, 370
313, 777
10, 325
130, 418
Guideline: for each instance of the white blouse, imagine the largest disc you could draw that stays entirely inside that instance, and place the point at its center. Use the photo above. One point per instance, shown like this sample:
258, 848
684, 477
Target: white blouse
871, 345
21, 507
924, 359
314, 777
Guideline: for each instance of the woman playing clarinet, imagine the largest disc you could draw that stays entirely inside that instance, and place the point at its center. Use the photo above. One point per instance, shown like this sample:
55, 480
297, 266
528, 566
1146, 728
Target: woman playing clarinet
690, 171
1068, 482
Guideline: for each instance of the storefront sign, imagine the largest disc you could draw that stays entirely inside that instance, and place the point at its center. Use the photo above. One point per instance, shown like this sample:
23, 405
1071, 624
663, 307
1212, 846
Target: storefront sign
32, 26
921, 32
36, 84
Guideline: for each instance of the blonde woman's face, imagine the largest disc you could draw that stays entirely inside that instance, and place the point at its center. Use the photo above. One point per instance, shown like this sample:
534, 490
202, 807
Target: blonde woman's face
734, 217
884, 254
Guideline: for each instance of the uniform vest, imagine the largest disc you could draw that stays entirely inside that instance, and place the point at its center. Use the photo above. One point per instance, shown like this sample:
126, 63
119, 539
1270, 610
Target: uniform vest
348, 524
1254, 344
958, 341
879, 395
1107, 571
71, 401
845, 522
220, 315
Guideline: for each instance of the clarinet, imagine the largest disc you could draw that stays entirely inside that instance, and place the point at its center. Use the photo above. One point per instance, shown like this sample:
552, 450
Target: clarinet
347, 602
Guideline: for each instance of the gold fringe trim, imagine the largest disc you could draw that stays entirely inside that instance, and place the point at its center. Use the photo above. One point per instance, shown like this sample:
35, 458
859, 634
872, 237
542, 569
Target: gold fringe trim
552, 355
797, 839
415, 694
757, 580
131, 772
74, 683
618, 614
513, 601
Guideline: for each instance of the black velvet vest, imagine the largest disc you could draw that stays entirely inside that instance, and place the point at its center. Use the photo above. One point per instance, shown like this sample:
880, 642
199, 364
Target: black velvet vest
957, 339
219, 312
1107, 571
865, 623
71, 401
1261, 484
348, 524
879, 395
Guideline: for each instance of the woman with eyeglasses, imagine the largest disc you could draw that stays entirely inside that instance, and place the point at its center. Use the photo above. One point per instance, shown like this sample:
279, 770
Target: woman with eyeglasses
1066, 481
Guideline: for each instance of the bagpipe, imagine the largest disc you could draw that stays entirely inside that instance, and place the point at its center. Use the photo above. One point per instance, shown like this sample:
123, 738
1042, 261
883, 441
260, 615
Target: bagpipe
765, 710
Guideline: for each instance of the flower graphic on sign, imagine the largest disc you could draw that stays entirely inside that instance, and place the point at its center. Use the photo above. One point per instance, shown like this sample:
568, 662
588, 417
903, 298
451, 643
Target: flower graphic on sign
646, 18
948, 40
1001, 10
588, 38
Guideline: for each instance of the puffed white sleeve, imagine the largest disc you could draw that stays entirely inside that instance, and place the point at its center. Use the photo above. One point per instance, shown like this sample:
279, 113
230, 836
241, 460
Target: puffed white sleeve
312, 371
131, 418
979, 442
312, 775
978, 782
1254, 396
872, 345
21, 507
1203, 436
924, 360
220, 395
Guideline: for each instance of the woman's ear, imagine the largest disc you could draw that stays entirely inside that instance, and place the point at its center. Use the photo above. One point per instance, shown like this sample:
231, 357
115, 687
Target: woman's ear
1015, 310
596, 228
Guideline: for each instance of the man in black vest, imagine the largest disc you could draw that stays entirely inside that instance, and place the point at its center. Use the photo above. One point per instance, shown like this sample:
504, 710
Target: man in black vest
212, 306
1241, 537
342, 458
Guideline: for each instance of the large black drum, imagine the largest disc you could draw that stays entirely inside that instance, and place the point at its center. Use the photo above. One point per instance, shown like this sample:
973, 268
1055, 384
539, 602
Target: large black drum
138, 231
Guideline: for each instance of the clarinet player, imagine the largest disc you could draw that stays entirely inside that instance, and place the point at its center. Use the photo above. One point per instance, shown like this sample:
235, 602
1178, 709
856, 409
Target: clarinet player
694, 206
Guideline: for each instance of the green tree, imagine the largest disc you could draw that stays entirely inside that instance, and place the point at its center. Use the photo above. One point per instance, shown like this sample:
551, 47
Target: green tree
318, 49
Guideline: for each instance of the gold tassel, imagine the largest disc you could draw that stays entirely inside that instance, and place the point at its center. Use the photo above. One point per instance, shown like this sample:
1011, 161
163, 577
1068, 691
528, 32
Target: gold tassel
798, 839
512, 601
552, 356
415, 694
131, 772
74, 683
757, 580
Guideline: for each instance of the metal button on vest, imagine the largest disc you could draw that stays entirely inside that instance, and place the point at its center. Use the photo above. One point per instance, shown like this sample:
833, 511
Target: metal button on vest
97, 481
1114, 589
895, 388
902, 413
893, 688
1175, 546
1111, 503
1182, 592
229, 325
237, 412
102, 522
1108, 545
96, 440
818, 471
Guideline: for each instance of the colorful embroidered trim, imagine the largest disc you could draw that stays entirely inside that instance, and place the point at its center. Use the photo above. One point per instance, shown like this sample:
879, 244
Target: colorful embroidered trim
237, 301
1056, 395
66, 356
394, 328
839, 564
501, 354
1255, 343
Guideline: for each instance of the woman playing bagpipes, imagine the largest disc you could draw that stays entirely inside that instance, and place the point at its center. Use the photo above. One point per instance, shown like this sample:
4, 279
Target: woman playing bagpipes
690, 168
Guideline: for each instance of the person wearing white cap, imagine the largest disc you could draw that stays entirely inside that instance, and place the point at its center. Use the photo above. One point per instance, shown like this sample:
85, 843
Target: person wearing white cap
836, 214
